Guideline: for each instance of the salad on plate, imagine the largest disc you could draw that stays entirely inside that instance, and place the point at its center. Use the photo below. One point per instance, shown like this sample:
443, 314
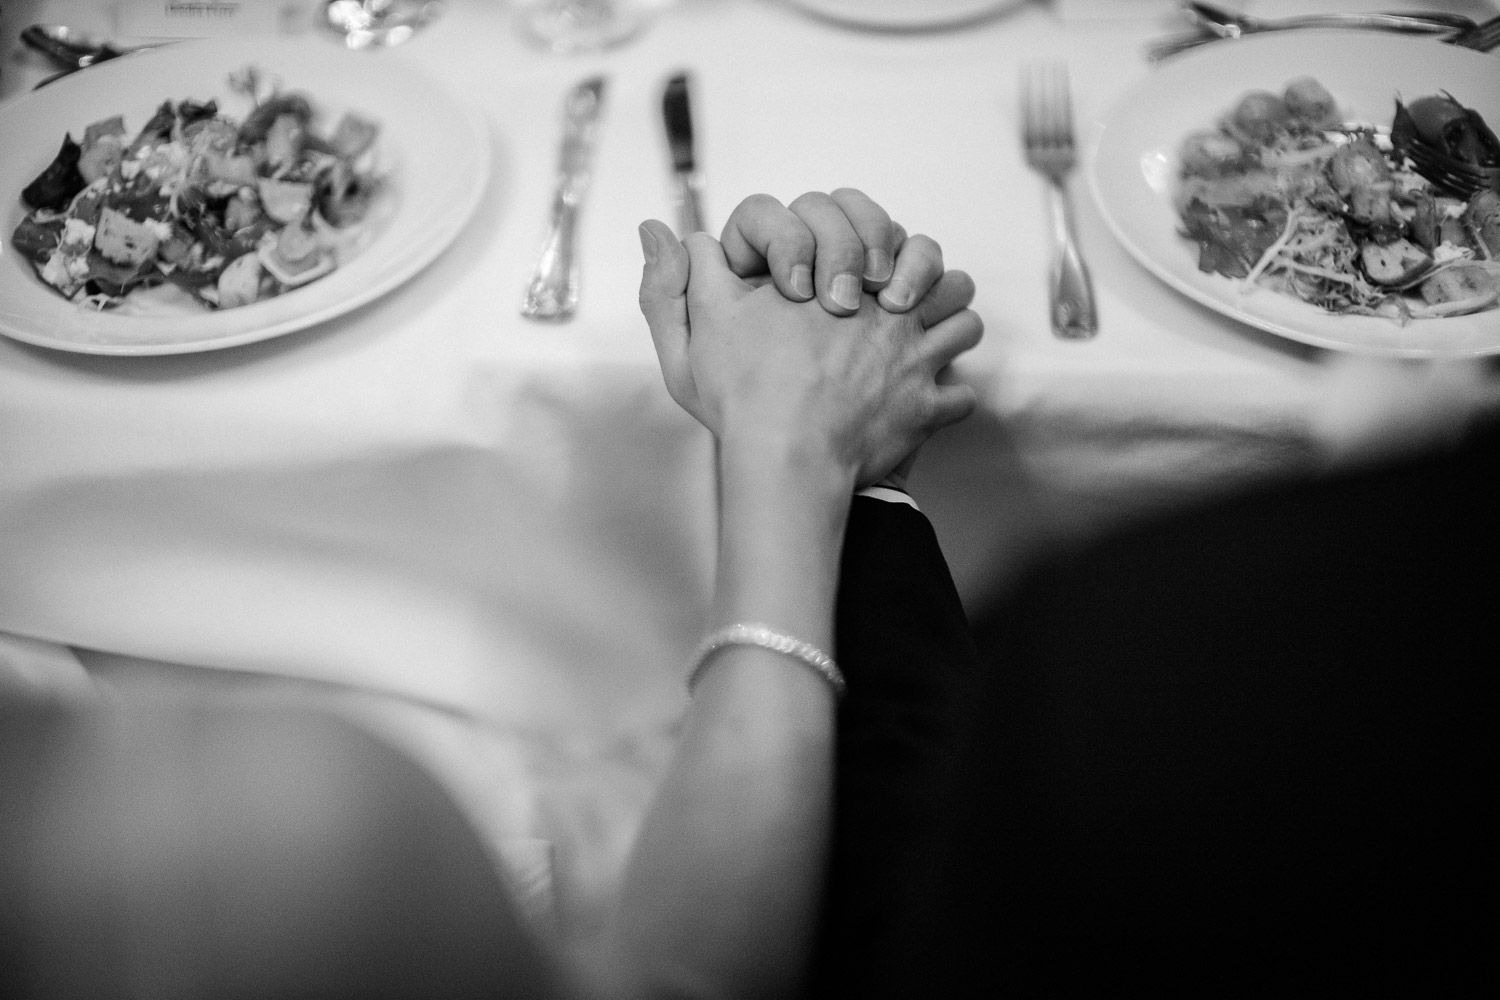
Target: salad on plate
198, 210
1400, 221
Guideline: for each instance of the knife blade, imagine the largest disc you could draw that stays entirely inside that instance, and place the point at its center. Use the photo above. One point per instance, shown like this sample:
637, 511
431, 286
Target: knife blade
677, 115
552, 292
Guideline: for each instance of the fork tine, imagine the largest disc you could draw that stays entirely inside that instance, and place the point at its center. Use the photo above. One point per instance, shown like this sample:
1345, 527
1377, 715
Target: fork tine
1053, 110
1046, 114
1483, 36
1028, 105
1064, 101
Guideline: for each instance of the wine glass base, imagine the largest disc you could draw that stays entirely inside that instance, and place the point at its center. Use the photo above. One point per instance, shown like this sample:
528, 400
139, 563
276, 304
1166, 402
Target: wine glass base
566, 28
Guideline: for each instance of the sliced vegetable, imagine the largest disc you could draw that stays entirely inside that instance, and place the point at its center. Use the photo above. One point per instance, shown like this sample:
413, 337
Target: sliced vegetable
285, 201
1482, 216
239, 285
55, 187
353, 135
1460, 288
1395, 263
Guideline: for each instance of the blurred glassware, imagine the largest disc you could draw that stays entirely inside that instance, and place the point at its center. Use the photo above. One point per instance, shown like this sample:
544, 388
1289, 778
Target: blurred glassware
365, 23
568, 26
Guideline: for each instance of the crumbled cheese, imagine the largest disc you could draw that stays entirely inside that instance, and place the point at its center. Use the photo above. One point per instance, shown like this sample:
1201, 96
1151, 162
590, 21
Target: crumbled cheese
78, 232
1446, 251
55, 271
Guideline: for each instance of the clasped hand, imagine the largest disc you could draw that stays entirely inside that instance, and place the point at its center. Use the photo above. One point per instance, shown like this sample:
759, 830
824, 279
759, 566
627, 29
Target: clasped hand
817, 326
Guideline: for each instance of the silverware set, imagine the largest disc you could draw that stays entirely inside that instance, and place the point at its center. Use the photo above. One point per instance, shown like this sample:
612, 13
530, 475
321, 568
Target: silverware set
1211, 23
1047, 137
552, 292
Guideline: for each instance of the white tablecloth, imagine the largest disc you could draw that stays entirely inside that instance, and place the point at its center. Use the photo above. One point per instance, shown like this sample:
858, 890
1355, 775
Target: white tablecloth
511, 522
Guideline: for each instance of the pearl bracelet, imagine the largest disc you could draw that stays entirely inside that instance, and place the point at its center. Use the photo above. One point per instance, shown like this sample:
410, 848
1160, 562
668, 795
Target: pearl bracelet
753, 634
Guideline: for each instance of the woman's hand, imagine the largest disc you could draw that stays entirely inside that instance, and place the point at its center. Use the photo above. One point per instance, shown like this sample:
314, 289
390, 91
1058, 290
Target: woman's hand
762, 371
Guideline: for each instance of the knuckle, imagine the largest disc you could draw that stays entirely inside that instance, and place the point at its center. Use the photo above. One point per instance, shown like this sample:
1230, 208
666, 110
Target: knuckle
793, 247
925, 246
976, 329
811, 201
864, 213
961, 281
758, 202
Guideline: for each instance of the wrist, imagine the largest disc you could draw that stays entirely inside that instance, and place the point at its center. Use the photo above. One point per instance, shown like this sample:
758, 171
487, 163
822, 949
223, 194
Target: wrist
782, 516
766, 460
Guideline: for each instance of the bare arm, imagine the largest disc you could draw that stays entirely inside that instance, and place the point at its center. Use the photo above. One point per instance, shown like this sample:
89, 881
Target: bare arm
721, 892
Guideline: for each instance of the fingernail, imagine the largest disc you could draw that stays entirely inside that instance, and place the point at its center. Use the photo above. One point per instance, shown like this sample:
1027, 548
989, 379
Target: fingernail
845, 290
802, 281
648, 243
878, 265
897, 295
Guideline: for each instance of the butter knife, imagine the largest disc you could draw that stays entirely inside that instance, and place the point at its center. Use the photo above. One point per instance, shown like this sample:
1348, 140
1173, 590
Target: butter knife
552, 293
677, 114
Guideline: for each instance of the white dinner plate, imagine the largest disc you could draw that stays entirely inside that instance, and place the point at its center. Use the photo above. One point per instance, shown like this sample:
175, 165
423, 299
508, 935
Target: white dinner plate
904, 15
1133, 167
434, 150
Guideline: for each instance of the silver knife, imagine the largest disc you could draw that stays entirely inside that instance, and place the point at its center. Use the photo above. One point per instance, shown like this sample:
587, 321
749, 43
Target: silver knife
677, 114
553, 290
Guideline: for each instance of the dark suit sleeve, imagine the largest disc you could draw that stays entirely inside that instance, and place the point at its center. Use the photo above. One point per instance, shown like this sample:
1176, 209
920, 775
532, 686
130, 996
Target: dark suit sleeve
905, 647
1241, 752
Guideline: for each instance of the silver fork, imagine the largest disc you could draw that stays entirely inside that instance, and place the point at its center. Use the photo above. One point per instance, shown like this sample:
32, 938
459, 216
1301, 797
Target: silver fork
1484, 36
1047, 135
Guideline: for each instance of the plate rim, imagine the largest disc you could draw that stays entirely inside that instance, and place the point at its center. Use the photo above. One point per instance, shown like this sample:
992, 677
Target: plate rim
460, 202
976, 11
1106, 128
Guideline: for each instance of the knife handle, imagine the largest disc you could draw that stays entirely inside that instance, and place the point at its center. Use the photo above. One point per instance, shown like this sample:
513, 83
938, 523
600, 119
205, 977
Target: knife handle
689, 205
553, 290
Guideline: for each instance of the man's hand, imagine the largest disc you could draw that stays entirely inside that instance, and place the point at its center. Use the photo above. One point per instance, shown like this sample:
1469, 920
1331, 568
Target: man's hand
832, 246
